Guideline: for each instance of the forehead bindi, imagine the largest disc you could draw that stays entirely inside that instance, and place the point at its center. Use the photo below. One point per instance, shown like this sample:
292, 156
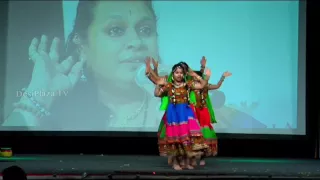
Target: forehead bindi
179, 70
124, 10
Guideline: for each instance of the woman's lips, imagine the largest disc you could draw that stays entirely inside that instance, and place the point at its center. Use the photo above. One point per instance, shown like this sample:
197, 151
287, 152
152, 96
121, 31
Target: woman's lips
133, 59
132, 64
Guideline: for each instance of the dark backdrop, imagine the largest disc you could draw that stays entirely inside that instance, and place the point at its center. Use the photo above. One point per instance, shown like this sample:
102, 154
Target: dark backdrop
229, 145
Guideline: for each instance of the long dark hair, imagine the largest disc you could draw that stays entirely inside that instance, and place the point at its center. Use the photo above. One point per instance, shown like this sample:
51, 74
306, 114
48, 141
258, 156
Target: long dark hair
199, 73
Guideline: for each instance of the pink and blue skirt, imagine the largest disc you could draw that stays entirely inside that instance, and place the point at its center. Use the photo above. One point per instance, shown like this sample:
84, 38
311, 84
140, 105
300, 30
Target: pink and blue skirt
180, 132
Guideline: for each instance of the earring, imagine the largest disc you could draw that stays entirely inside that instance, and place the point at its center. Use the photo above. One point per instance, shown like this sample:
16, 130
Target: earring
172, 78
83, 78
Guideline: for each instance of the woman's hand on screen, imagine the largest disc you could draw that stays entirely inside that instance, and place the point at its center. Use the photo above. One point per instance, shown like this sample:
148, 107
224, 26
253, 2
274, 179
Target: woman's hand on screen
49, 73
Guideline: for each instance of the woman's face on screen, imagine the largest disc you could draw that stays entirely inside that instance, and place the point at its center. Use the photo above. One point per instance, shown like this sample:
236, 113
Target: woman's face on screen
120, 37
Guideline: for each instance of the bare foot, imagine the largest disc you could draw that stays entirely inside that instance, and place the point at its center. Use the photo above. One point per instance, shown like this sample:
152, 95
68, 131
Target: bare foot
202, 162
190, 167
182, 163
170, 161
194, 162
176, 167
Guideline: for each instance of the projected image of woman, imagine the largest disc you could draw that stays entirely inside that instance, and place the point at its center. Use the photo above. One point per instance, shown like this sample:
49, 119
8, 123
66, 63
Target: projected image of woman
106, 46
109, 41
183, 132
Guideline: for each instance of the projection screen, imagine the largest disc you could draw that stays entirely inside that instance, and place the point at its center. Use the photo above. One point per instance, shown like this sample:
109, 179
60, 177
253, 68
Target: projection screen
93, 77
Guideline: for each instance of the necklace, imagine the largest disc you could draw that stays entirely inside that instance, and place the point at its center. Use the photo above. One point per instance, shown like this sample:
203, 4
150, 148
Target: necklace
141, 107
178, 85
136, 113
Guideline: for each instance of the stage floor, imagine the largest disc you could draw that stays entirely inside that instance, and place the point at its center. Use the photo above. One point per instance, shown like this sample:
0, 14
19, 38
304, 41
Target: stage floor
105, 165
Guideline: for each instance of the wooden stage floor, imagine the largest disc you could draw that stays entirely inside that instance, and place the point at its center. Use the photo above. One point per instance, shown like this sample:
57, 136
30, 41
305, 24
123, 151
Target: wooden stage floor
155, 167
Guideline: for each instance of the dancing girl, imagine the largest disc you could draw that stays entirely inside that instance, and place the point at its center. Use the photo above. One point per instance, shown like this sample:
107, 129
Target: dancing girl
183, 133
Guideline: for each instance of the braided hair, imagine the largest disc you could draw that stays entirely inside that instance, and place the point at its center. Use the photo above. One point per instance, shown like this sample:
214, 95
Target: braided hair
203, 100
207, 100
199, 73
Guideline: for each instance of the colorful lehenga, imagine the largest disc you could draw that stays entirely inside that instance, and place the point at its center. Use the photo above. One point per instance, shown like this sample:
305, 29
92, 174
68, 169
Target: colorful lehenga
179, 131
162, 144
206, 117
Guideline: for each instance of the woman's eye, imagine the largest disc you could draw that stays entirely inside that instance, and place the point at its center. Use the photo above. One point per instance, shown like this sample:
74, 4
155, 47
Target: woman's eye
145, 31
115, 31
